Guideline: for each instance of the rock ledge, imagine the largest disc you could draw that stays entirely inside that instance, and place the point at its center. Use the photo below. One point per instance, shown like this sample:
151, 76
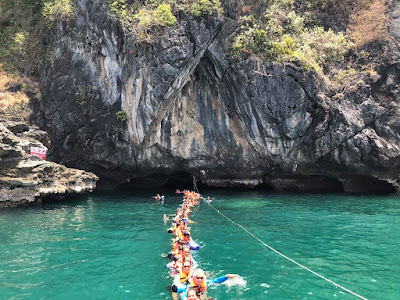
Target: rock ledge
27, 179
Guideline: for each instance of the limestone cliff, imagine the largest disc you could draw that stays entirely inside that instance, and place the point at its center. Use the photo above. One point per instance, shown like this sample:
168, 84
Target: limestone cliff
191, 107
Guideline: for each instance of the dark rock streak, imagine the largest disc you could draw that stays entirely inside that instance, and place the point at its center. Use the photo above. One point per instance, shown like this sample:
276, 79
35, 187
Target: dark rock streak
193, 108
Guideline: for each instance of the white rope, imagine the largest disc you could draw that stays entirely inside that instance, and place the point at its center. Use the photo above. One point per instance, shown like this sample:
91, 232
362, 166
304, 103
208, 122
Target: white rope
288, 258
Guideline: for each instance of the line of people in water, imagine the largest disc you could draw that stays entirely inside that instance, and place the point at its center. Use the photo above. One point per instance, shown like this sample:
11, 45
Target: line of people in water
190, 282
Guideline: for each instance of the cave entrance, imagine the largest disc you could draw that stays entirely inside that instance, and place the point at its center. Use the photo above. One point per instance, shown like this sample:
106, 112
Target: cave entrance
360, 184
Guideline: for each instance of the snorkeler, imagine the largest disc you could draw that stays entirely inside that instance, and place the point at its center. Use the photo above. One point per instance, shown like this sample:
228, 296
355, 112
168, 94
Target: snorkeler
199, 282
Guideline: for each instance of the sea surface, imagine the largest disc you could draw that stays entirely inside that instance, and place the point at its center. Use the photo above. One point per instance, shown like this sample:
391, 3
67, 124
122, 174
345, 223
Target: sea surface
110, 245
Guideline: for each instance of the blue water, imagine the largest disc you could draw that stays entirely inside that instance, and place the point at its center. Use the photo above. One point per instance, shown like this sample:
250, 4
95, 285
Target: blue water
110, 246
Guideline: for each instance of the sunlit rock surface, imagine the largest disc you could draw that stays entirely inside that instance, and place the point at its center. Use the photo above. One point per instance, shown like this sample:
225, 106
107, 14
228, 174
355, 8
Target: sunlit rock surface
27, 179
192, 108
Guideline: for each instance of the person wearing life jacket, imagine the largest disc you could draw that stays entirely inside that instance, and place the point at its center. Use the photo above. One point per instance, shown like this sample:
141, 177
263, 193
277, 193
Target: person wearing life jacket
186, 255
199, 282
177, 218
179, 212
181, 280
185, 273
186, 236
180, 228
177, 260
187, 240
175, 224
180, 225
172, 228
177, 249
175, 266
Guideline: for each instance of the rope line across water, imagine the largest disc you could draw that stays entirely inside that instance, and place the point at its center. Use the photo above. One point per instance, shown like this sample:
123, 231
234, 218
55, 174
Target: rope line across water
288, 258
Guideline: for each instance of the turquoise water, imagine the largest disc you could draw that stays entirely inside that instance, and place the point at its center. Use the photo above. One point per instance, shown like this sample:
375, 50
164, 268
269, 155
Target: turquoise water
110, 246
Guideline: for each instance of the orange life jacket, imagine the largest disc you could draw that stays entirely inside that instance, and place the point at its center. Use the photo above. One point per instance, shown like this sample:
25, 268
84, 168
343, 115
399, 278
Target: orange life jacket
199, 289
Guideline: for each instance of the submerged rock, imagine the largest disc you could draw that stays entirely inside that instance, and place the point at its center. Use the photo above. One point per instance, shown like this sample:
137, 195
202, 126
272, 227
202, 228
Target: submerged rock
27, 179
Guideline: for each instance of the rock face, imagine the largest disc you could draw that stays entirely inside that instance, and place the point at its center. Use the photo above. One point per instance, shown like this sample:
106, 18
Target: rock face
26, 179
192, 108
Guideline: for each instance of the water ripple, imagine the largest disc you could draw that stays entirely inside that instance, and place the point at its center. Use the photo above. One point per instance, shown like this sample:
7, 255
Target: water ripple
109, 246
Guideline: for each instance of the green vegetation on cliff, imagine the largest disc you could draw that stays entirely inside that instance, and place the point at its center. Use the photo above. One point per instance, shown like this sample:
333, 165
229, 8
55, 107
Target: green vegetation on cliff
317, 34
21, 35
121, 115
283, 34
302, 31
21, 56
142, 18
312, 32
24, 29
58, 10
22, 52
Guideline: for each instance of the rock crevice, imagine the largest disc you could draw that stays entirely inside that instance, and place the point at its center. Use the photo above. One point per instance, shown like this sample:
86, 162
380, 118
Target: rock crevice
192, 107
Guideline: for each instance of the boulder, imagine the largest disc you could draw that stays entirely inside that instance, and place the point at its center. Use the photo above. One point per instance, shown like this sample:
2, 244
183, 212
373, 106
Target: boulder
27, 179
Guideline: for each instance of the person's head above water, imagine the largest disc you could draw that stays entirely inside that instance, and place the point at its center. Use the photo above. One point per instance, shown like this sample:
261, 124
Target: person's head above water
191, 294
186, 250
186, 235
182, 224
186, 267
199, 276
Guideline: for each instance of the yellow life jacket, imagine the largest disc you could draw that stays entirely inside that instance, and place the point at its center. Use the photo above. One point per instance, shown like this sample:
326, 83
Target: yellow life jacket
183, 276
179, 233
